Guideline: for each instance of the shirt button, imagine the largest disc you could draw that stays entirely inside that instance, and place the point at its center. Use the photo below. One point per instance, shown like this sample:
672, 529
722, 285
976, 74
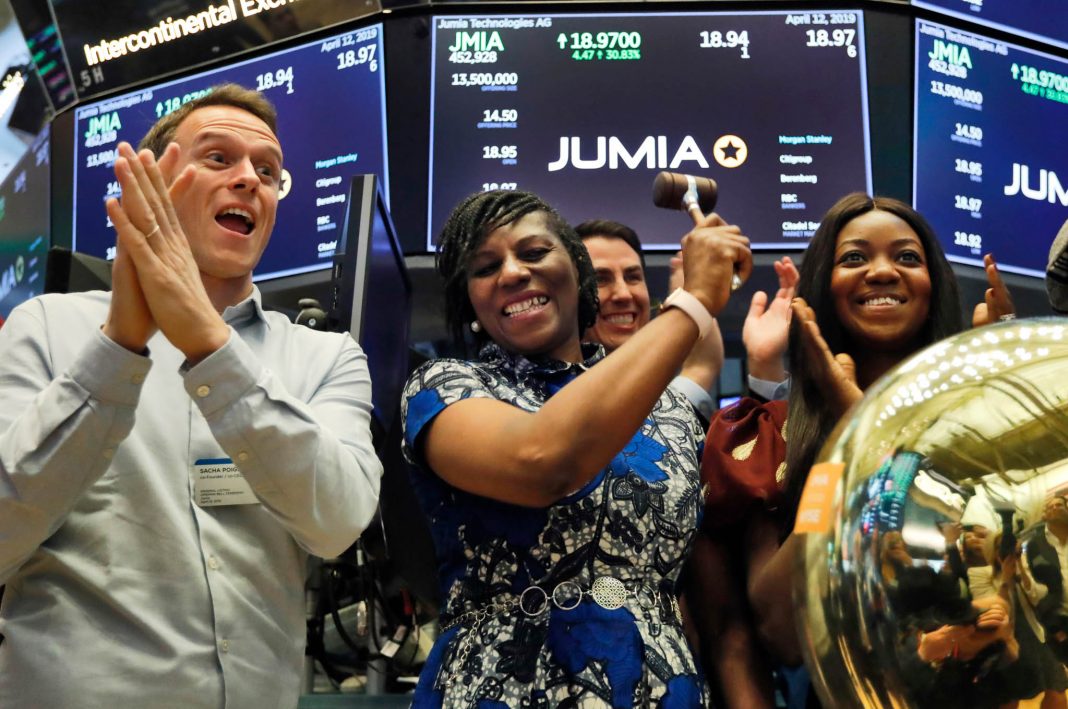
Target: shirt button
203, 390
213, 563
242, 456
137, 378
225, 646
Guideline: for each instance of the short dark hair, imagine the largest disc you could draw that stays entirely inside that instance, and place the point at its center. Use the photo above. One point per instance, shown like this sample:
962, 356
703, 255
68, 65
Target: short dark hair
161, 134
611, 230
468, 226
810, 423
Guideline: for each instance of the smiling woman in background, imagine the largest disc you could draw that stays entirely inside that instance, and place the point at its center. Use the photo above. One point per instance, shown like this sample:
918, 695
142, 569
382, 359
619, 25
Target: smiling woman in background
623, 294
874, 288
563, 496
624, 308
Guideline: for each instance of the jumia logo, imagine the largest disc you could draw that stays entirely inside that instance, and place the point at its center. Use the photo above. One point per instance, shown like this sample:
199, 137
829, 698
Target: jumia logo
610, 151
1049, 188
950, 53
477, 42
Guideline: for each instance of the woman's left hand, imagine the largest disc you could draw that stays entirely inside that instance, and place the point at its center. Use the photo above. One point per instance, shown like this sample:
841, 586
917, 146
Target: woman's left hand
835, 374
998, 304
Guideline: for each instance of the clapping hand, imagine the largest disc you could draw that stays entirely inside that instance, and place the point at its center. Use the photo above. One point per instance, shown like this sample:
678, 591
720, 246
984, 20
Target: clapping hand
998, 303
157, 283
767, 326
836, 375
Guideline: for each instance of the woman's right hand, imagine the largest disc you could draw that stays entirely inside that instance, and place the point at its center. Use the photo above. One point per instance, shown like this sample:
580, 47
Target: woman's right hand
836, 375
711, 254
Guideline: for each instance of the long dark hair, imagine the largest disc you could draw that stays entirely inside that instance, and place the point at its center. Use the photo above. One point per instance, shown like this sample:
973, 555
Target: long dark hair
809, 423
468, 226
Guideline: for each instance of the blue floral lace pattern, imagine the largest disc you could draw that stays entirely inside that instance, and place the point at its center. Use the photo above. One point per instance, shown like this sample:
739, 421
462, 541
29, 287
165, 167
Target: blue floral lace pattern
635, 521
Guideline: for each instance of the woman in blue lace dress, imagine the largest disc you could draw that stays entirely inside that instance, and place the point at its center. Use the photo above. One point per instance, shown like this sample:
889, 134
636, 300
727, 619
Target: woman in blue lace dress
563, 497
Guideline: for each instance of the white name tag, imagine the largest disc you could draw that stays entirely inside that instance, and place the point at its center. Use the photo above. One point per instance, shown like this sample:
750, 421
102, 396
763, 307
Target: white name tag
217, 481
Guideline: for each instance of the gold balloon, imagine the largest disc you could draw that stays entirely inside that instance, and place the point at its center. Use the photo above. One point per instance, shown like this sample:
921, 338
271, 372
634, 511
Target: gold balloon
937, 582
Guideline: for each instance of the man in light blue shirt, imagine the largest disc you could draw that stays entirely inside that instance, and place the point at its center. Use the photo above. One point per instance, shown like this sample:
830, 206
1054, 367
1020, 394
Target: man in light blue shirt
169, 452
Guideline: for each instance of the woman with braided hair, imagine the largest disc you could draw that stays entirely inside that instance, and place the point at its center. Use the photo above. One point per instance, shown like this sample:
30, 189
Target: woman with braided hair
561, 485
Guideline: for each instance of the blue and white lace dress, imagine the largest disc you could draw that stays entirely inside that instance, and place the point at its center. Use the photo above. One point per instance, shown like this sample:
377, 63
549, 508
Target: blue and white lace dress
633, 523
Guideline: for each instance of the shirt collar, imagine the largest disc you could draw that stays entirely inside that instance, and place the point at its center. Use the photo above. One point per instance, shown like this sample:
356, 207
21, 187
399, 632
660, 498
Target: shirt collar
249, 309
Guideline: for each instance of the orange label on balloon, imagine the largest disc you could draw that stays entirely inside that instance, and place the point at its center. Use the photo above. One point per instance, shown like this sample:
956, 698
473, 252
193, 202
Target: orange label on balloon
817, 499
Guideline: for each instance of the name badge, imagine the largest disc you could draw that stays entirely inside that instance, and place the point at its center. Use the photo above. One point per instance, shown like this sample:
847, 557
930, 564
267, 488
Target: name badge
217, 481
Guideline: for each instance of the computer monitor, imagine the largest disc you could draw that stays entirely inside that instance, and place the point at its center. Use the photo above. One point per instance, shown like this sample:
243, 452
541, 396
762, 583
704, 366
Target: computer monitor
23, 103
372, 293
725, 401
330, 96
46, 49
24, 228
68, 271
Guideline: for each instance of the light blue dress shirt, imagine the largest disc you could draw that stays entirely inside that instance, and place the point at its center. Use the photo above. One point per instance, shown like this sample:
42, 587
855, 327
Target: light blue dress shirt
121, 590
699, 399
772, 391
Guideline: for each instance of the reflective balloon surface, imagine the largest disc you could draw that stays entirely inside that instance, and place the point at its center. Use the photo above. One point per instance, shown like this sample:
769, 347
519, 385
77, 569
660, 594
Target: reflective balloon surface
941, 579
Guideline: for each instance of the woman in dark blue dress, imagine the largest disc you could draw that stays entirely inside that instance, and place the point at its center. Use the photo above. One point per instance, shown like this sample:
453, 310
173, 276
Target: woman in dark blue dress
563, 496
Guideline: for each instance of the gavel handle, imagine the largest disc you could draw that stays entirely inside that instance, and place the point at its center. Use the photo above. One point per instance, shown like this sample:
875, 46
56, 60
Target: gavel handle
695, 212
697, 215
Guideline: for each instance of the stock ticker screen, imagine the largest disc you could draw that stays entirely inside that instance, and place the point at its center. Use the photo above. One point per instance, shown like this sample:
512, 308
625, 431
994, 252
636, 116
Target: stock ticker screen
585, 110
1043, 20
24, 227
330, 96
125, 42
990, 162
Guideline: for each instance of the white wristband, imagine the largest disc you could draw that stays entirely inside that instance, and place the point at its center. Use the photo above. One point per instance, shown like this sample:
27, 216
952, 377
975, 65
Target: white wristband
689, 304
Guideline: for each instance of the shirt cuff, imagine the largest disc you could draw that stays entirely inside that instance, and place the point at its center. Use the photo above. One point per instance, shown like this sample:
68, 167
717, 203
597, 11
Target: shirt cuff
223, 377
772, 391
110, 372
699, 398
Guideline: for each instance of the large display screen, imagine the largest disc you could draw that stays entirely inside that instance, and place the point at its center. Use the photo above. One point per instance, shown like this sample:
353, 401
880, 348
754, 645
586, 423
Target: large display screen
46, 49
122, 42
585, 109
1044, 20
990, 166
330, 96
23, 104
24, 227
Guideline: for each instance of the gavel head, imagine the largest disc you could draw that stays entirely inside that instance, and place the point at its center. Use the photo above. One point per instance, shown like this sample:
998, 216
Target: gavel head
669, 188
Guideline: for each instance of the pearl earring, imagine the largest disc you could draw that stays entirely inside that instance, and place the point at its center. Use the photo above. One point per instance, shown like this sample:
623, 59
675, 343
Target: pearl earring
476, 326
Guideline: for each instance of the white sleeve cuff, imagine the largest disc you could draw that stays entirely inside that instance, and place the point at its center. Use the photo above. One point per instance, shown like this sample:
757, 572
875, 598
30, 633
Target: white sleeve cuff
772, 391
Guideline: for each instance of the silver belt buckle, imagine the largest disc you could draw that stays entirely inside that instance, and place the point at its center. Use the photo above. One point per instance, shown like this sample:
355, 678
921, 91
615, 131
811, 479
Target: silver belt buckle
609, 593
